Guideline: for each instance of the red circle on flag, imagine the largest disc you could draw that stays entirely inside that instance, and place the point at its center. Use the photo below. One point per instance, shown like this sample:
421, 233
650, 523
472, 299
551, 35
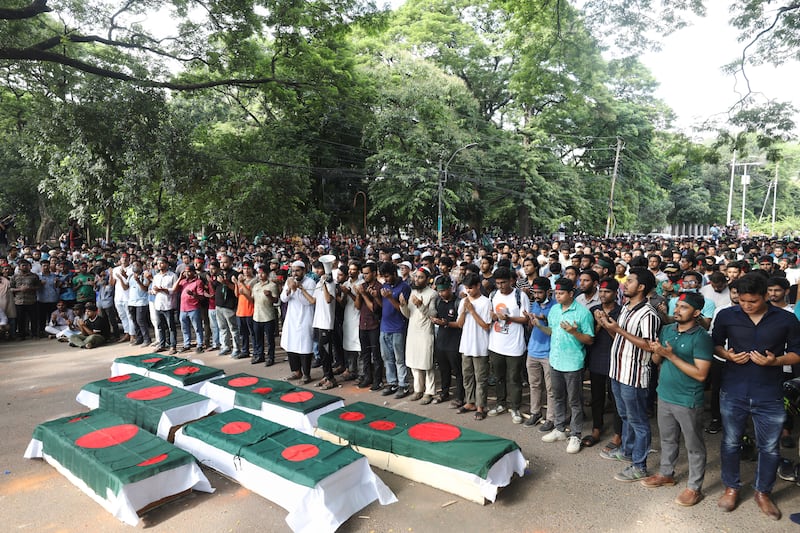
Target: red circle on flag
352, 416
382, 425
117, 379
150, 393
78, 419
300, 452
185, 370
263, 390
297, 397
153, 460
243, 381
434, 432
107, 437
151, 360
234, 428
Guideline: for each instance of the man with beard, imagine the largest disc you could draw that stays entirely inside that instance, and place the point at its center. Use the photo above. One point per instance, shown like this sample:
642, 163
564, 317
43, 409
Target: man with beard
393, 332
138, 309
324, 314
419, 308
684, 351
119, 280
191, 290
448, 338
368, 302
265, 316
224, 285
538, 360
587, 283
346, 296
162, 287
24, 286
297, 337
630, 372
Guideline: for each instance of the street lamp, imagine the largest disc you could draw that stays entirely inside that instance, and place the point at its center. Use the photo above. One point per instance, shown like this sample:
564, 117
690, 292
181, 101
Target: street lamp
442, 181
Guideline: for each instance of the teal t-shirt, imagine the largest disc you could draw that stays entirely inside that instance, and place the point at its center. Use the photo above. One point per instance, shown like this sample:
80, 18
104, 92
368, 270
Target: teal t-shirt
674, 386
567, 354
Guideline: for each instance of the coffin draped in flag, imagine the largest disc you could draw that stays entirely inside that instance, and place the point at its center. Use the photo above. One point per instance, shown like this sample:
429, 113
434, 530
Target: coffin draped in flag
319, 483
278, 401
153, 405
122, 467
176, 371
471, 464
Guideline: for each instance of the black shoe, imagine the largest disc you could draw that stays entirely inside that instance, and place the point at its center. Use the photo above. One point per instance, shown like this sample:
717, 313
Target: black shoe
376, 386
363, 384
786, 470
532, 420
256, 361
269, 362
402, 392
388, 390
547, 426
714, 427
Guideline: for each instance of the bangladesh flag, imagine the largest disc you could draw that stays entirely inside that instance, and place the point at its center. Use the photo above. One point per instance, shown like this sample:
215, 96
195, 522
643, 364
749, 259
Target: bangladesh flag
252, 391
150, 404
410, 435
106, 451
181, 370
293, 455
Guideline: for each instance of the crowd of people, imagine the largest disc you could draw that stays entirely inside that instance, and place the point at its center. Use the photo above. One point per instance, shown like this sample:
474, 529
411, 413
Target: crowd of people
656, 326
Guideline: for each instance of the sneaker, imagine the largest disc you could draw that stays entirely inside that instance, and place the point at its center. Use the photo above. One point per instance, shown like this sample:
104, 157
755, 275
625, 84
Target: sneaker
555, 435
532, 420
224, 352
573, 444
376, 386
615, 455
516, 416
786, 470
388, 390
402, 392
631, 473
239, 355
714, 427
547, 426
498, 410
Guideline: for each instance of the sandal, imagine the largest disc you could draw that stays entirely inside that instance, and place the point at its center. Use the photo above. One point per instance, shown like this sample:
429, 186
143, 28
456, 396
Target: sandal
456, 404
588, 441
610, 447
464, 409
331, 384
480, 415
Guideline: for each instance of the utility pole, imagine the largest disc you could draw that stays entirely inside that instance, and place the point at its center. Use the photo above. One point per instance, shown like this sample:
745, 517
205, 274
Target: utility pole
613, 184
774, 197
730, 194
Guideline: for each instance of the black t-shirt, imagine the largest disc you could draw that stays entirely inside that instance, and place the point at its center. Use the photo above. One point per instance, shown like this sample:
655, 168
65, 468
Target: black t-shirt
224, 296
99, 323
599, 351
448, 339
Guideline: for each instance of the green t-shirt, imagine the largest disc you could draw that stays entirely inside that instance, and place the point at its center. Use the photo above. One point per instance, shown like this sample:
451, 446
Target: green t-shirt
673, 385
567, 354
83, 291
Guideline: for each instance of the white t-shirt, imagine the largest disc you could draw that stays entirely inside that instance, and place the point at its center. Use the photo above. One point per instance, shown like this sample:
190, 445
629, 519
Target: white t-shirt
505, 337
324, 311
475, 339
121, 294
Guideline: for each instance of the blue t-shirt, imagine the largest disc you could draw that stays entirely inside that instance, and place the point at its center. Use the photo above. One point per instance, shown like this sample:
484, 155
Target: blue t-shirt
539, 343
392, 320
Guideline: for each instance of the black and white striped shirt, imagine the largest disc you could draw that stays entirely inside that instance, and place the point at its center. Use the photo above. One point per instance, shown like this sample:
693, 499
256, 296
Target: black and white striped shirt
630, 364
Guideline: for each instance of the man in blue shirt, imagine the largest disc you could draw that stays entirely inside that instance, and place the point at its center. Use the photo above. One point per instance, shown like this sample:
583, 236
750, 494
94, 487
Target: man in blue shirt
756, 339
538, 360
393, 331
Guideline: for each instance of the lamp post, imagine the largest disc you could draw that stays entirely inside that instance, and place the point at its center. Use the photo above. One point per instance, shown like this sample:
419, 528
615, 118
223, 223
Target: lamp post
443, 181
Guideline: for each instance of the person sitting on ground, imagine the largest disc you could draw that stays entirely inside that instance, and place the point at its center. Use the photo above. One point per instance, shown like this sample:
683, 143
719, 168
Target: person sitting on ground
59, 320
94, 329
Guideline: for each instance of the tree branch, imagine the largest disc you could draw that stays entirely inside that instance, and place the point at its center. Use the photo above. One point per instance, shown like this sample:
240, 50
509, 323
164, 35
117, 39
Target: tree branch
37, 7
31, 54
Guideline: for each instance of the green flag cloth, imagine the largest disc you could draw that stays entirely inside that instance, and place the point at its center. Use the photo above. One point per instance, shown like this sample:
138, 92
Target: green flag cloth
293, 455
407, 434
251, 391
105, 451
140, 400
183, 370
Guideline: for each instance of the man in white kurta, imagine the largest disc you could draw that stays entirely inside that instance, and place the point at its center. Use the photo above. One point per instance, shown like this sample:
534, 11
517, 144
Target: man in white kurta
419, 309
351, 343
297, 336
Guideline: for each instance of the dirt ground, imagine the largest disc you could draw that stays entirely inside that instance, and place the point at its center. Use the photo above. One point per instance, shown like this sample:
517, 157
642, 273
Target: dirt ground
561, 492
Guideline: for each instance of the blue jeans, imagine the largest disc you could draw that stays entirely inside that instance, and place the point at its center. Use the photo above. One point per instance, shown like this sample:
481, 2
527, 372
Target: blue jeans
166, 325
393, 351
632, 408
191, 319
212, 322
768, 417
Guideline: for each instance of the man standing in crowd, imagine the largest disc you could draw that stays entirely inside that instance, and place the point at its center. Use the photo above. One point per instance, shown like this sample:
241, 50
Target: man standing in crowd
24, 285
162, 287
224, 284
756, 339
119, 280
684, 351
393, 332
265, 317
419, 308
538, 360
474, 319
448, 338
630, 371
571, 328
324, 313
192, 291
507, 343
368, 302
346, 298
297, 337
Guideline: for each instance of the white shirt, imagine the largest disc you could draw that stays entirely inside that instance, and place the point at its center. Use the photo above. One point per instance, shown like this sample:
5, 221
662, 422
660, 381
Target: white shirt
475, 339
120, 294
164, 301
323, 310
506, 337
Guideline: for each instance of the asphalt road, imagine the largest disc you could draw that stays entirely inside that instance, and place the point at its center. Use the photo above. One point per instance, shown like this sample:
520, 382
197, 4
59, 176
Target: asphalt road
561, 492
